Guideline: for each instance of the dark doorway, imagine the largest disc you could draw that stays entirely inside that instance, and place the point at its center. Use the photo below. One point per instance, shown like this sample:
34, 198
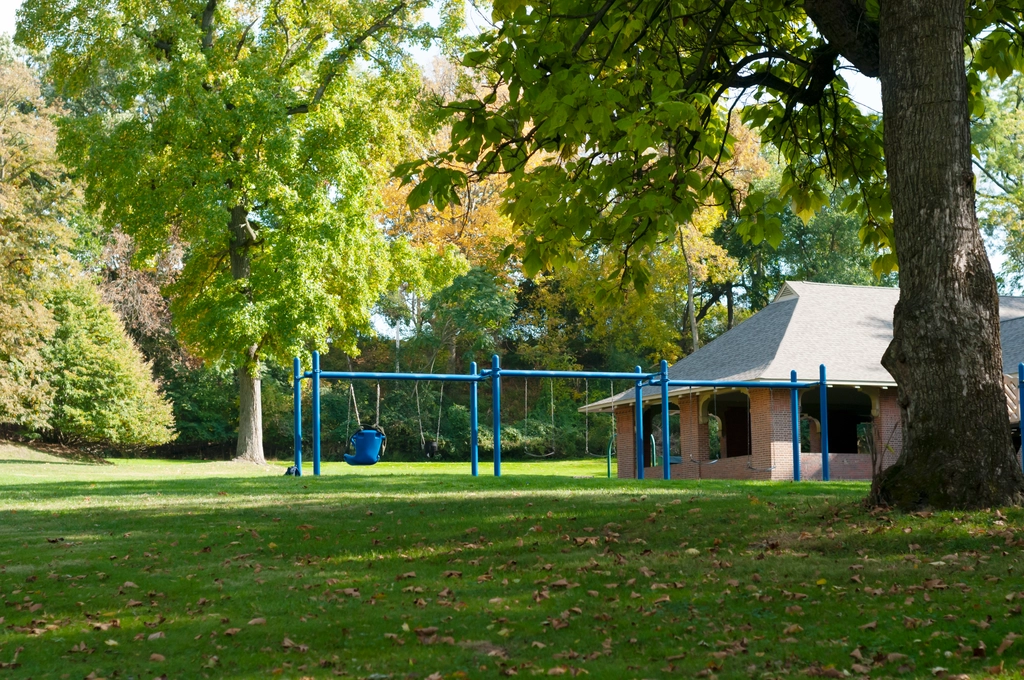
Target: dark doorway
652, 432
733, 411
848, 408
737, 432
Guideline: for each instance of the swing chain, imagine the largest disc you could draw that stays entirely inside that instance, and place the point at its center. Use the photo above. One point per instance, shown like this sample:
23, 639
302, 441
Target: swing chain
440, 404
355, 404
552, 451
551, 384
586, 416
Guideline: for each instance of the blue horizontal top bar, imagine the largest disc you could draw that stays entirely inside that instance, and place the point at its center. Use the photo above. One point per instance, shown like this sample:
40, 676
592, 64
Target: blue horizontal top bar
592, 375
647, 379
445, 377
741, 383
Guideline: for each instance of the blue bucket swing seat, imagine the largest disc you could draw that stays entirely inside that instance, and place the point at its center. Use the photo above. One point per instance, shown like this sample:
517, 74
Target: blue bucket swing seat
369, 444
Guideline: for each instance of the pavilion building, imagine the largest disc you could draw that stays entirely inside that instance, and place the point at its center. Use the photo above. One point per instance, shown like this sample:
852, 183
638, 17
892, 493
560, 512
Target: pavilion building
846, 328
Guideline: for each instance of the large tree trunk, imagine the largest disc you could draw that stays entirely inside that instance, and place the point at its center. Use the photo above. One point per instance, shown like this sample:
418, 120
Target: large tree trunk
945, 353
250, 416
250, 403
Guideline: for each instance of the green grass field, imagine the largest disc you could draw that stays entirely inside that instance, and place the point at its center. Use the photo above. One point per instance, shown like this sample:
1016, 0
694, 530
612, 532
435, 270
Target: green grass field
146, 569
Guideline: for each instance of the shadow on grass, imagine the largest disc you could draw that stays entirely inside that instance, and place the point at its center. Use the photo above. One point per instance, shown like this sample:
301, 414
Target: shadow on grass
398, 485
212, 554
55, 461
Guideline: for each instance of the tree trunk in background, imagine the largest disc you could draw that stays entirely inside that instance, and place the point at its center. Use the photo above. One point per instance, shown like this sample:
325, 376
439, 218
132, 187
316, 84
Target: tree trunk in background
250, 403
250, 416
691, 309
728, 306
945, 353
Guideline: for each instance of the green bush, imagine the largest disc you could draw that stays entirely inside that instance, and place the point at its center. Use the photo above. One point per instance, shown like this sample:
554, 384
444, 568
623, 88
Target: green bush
103, 388
205, 400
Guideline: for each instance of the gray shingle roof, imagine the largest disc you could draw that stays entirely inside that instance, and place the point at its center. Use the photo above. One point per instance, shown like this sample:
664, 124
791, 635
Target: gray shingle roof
1010, 308
847, 328
1011, 333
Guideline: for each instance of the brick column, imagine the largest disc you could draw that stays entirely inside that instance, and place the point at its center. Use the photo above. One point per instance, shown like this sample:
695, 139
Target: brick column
693, 438
771, 434
625, 442
888, 427
814, 434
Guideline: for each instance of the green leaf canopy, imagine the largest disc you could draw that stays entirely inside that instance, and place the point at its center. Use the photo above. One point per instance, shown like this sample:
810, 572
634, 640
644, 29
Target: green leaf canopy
252, 136
612, 119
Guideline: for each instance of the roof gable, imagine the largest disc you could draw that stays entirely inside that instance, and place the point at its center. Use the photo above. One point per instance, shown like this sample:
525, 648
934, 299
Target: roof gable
845, 327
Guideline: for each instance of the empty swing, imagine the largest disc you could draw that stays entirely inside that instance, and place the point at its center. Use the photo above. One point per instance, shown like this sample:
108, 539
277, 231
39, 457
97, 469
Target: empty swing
553, 450
369, 442
586, 423
432, 448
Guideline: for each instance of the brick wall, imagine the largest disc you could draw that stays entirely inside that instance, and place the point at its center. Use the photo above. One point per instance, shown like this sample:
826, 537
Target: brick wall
727, 468
813, 433
771, 434
841, 466
771, 443
625, 442
888, 433
694, 447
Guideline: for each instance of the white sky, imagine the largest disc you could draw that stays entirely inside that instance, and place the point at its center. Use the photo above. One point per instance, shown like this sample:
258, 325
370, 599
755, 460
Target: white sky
7, 10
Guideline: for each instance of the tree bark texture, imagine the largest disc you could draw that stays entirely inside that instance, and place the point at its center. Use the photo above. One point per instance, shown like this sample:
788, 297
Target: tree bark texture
691, 309
250, 416
945, 353
250, 403
728, 306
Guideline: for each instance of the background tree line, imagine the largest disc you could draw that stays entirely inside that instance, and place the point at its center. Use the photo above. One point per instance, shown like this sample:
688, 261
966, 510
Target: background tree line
176, 243
79, 292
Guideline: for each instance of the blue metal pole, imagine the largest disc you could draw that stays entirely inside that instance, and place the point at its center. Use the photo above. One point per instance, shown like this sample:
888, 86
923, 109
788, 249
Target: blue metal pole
379, 377
772, 384
572, 375
496, 407
794, 409
297, 408
474, 425
638, 394
1020, 402
822, 379
316, 414
666, 453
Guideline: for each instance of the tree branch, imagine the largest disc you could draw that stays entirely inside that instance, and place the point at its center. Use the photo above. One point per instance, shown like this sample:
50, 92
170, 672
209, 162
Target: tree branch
992, 178
344, 55
846, 26
821, 72
207, 24
592, 25
709, 44
150, 37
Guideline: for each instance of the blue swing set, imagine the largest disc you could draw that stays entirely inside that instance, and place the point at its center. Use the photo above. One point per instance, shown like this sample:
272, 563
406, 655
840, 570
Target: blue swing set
369, 442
